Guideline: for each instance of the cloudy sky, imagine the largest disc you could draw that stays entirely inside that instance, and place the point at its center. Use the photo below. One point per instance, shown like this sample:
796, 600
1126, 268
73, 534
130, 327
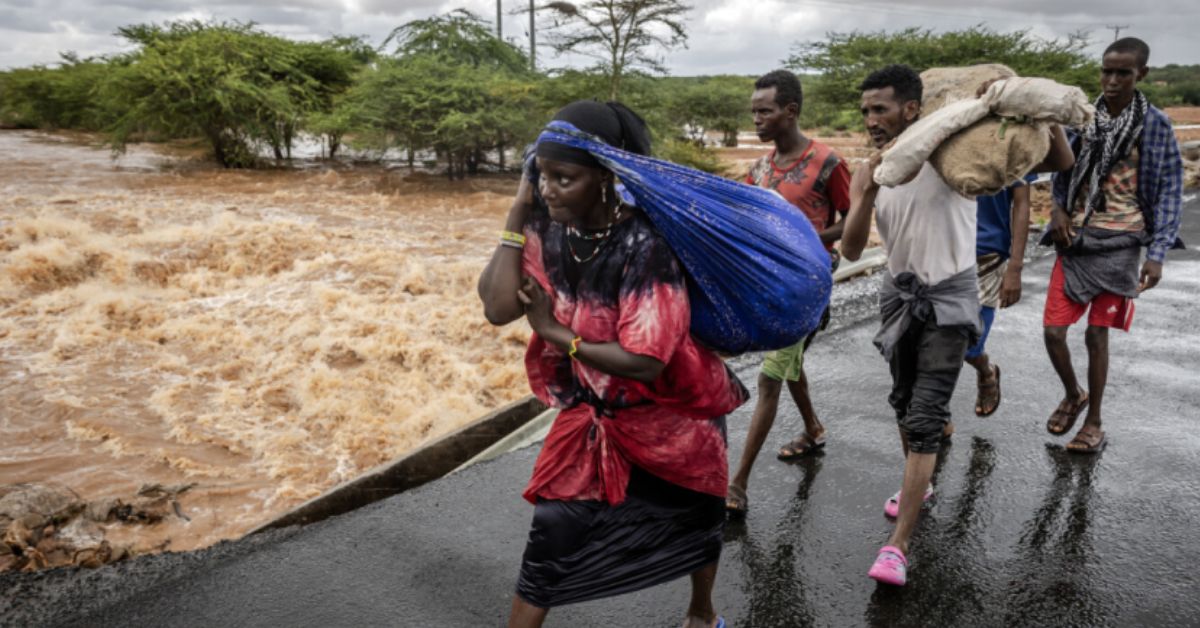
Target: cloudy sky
726, 36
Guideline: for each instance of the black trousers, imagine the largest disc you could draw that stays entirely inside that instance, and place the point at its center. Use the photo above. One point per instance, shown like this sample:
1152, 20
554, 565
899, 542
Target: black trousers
925, 368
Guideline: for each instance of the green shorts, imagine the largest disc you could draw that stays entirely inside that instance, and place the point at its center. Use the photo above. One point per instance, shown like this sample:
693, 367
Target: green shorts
785, 364
788, 363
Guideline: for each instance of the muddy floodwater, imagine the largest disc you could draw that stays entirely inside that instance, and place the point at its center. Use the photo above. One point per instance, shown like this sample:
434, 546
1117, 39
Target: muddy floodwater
260, 335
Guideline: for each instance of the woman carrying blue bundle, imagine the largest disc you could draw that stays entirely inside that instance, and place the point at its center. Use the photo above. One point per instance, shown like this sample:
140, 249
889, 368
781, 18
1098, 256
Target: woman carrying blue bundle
629, 486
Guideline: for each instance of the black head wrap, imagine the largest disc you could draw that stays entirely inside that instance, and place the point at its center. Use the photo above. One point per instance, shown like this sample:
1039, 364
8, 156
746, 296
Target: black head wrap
614, 123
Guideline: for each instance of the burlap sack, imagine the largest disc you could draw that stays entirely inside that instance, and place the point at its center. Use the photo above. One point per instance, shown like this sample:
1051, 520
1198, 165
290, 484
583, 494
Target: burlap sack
1190, 150
981, 156
1191, 173
992, 153
940, 87
946, 85
979, 162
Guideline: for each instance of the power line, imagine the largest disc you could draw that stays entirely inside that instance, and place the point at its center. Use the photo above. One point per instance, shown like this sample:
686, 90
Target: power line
1116, 29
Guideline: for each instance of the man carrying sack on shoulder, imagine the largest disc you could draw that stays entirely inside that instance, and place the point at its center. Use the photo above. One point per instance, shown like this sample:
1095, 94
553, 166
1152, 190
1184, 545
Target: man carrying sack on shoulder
929, 301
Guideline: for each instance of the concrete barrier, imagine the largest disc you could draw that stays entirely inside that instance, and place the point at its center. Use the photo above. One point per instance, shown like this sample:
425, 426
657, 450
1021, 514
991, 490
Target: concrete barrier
869, 260
427, 463
529, 434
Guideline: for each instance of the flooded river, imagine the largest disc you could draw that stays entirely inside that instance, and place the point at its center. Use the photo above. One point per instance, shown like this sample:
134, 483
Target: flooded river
262, 335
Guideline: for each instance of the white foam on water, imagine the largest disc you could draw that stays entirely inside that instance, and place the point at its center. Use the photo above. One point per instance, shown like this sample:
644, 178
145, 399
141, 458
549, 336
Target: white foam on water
263, 334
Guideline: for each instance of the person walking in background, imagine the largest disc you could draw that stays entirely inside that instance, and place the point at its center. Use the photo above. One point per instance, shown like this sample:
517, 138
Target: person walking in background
1002, 230
1124, 192
814, 178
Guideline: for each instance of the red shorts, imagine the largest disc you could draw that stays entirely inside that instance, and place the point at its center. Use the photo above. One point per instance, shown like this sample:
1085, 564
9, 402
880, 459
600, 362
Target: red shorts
1108, 309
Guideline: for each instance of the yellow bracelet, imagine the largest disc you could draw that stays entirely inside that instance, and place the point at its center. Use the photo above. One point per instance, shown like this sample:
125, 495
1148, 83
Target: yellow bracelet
574, 347
512, 236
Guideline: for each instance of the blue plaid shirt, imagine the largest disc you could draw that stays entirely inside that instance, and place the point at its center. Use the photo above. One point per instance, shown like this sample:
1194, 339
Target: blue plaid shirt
1159, 183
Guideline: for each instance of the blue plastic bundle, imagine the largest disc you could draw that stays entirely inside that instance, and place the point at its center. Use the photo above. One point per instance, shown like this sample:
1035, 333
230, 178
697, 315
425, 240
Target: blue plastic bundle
758, 274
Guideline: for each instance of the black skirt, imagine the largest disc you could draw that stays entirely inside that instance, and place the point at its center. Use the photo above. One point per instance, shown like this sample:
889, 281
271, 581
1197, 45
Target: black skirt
586, 550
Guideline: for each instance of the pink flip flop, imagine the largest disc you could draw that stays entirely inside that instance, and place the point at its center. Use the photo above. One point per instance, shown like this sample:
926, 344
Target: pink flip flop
891, 567
891, 507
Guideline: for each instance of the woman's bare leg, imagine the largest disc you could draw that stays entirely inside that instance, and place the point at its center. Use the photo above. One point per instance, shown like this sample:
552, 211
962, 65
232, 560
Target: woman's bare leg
525, 615
700, 611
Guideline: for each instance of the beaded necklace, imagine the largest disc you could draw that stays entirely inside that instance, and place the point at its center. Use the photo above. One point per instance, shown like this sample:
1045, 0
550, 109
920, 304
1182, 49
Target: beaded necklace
599, 237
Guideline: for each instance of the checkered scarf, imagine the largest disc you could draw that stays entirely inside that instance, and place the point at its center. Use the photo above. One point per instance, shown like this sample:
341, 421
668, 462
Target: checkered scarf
1105, 142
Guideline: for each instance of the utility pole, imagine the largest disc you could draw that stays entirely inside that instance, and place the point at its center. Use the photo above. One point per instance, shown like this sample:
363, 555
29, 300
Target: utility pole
499, 30
532, 39
1116, 29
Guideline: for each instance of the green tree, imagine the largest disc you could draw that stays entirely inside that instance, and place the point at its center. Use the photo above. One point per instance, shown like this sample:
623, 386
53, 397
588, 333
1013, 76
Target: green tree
1173, 84
236, 86
466, 92
621, 35
334, 65
656, 99
843, 60
454, 89
718, 103
459, 37
62, 97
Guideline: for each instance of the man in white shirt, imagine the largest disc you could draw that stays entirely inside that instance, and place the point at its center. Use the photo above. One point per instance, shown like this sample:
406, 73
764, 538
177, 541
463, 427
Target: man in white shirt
929, 301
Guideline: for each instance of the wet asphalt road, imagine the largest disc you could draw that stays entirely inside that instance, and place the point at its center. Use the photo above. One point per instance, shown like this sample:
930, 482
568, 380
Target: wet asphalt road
1023, 533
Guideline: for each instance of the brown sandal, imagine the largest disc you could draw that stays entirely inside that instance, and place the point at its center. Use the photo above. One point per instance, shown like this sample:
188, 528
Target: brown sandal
989, 392
1088, 442
1064, 416
737, 503
801, 445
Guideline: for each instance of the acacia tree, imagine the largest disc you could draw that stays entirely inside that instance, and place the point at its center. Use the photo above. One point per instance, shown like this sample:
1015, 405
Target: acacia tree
236, 86
622, 35
717, 103
460, 37
843, 60
60, 97
465, 41
333, 64
452, 87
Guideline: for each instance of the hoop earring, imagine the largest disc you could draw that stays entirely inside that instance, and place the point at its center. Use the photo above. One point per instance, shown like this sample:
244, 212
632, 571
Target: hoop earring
604, 194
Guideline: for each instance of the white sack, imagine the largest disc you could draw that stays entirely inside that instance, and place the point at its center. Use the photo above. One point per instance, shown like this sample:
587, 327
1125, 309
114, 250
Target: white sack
1039, 99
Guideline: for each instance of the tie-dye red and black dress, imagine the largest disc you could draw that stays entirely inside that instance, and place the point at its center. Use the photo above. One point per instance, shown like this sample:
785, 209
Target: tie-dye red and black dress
631, 480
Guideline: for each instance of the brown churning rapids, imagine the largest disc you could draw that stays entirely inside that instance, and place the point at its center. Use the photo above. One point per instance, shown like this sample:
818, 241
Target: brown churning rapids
259, 335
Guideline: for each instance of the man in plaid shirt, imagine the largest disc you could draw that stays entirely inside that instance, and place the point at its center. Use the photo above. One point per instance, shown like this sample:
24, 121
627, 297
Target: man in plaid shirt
1124, 192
